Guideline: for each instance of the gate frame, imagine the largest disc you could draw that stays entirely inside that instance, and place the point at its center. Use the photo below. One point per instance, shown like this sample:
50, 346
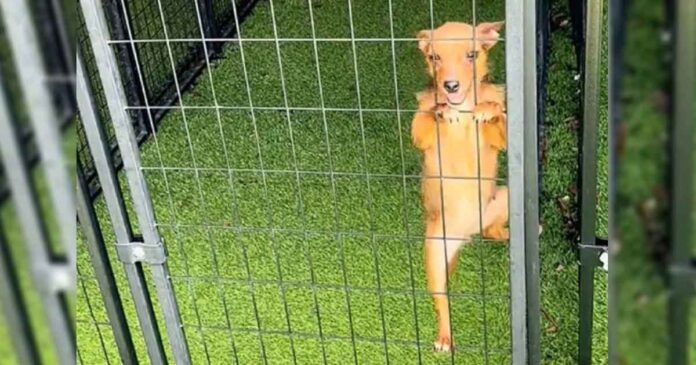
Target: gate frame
103, 271
52, 277
104, 165
523, 179
590, 247
523, 151
681, 264
150, 249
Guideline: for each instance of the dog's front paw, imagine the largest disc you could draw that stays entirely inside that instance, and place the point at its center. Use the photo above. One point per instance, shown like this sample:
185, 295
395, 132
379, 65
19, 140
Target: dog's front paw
487, 111
443, 343
445, 113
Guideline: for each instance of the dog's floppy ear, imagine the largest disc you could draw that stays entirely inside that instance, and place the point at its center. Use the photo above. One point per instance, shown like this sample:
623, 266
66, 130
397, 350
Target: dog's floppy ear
424, 37
487, 33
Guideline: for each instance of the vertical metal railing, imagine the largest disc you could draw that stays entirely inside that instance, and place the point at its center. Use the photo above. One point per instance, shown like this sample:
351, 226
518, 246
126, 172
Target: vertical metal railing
104, 274
25, 47
14, 307
100, 151
523, 180
531, 185
682, 269
151, 250
52, 270
617, 25
52, 279
589, 249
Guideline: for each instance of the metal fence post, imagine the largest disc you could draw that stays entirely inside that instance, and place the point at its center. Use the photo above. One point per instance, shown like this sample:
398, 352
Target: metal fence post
617, 26
118, 18
60, 276
682, 268
588, 180
151, 251
543, 49
53, 30
521, 83
531, 185
26, 53
100, 151
14, 306
102, 270
515, 114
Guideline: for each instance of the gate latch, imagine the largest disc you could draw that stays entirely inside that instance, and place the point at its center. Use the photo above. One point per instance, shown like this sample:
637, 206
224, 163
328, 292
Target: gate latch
135, 252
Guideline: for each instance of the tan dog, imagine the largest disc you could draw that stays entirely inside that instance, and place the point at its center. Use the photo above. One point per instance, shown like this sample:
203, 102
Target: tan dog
452, 129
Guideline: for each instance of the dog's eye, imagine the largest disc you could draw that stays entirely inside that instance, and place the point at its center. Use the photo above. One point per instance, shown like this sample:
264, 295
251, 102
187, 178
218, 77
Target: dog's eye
434, 57
472, 55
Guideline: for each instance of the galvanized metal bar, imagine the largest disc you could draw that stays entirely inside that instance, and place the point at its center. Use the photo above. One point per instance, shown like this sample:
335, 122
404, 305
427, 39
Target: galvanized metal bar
127, 57
101, 155
678, 316
52, 280
683, 118
590, 116
113, 89
14, 306
514, 84
531, 184
588, 259
682, 190
617, 26
25, 49
588, 175
102, 270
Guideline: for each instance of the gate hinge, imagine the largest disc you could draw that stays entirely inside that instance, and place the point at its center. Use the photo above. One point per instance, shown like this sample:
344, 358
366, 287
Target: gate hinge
134, 252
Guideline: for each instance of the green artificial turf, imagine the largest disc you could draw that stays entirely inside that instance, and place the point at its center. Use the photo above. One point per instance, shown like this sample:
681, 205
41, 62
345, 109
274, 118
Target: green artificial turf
329, 204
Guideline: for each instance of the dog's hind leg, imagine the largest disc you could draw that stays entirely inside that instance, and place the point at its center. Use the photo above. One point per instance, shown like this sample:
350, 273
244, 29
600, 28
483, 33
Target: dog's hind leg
441, 253
495, 217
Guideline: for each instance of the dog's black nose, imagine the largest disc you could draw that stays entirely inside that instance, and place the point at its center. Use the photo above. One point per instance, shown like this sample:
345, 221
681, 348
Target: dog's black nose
451, 86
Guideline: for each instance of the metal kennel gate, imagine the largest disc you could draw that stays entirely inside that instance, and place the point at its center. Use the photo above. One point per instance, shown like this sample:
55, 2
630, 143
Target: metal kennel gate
148, 253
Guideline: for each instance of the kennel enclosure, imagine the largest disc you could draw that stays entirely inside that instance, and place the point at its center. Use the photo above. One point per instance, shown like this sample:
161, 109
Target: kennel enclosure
150, 252
140, 247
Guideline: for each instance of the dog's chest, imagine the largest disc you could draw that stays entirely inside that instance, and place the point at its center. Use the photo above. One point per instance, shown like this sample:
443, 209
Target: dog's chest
461, 138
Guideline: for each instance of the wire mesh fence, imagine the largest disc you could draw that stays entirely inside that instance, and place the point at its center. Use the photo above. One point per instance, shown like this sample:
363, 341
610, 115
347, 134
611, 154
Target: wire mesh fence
140, 19
285, 188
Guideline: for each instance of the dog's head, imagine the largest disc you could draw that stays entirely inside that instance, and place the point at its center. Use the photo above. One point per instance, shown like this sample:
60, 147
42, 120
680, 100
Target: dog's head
452, 51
